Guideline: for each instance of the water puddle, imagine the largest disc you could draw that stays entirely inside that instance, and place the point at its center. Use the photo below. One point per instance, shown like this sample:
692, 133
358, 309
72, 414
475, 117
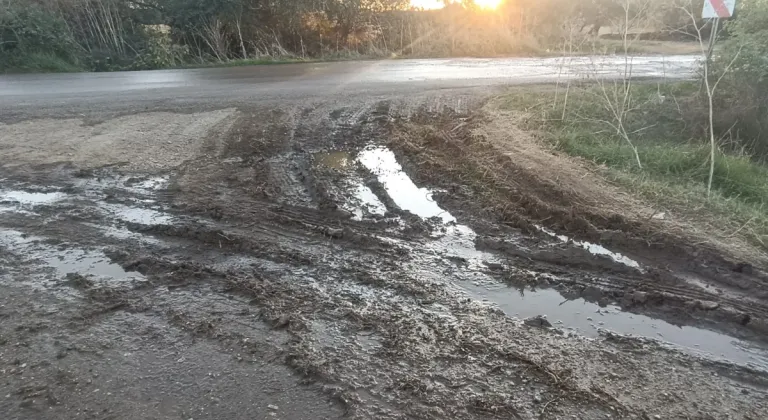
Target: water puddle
450, 240
383, 163
366, 201
335, 160
14, 240
17, 210
64, 261
136, 214
368, 341
363, 200
88, 264
458, 242
594, 249
25, 199
123, 233
585, 318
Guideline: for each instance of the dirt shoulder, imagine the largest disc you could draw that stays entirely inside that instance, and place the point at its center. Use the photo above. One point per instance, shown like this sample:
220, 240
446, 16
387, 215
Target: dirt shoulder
584, 188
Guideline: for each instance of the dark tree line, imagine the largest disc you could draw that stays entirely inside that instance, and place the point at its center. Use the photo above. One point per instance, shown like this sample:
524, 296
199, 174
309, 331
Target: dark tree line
141, 34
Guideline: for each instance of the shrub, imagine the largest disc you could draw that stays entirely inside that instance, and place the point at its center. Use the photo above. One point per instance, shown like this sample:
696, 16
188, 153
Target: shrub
33, 39
742, 96
159, 51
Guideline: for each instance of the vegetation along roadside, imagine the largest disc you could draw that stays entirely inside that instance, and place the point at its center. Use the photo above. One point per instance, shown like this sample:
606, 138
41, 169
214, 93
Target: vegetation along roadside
105, 35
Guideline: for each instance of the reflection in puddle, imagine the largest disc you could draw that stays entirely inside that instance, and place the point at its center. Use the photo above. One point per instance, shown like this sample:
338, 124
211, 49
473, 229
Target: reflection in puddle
136, 215
585, 318
594, 249
86, 263
452, 240
363, 201
367, 201
334, 160
383, 163
28, 199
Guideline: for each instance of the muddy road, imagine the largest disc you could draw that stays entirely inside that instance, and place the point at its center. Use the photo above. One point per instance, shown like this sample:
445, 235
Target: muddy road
297, 256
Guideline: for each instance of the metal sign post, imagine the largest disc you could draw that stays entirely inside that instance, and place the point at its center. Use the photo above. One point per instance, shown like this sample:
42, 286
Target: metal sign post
716, 10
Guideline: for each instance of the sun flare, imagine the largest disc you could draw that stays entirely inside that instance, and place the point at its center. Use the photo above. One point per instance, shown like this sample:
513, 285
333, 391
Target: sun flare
437, 4
489, 4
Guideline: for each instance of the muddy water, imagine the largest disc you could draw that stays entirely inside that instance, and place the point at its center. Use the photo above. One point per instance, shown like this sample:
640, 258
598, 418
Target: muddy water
25, 202
31, 199
136, 214
362, 200
383, 163
577, 316
339, 160
70, 260
369, 200
21, 201
88, 263
594, 249
66, 259
585, 318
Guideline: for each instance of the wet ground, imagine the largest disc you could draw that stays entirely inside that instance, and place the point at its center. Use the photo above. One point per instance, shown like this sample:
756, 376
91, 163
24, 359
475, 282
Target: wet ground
301, 262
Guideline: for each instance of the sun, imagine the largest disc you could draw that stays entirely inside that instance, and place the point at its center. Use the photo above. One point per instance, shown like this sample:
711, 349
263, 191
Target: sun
427, 4
489, 4
438, 4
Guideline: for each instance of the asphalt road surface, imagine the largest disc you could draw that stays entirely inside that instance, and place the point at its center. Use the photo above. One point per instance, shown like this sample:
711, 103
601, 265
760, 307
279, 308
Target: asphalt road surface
44, 95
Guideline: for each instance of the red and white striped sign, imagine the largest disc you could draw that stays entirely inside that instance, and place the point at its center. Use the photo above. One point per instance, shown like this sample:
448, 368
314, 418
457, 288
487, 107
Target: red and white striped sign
722, 9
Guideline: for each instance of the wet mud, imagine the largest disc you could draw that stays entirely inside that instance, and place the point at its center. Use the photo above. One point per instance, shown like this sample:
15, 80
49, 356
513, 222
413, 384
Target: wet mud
327, 262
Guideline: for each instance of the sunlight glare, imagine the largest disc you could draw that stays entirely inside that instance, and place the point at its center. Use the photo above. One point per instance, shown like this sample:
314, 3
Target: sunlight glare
427, 4
437, 4
489, 4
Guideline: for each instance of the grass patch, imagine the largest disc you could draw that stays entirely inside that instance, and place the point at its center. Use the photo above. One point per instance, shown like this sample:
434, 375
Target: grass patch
673, 149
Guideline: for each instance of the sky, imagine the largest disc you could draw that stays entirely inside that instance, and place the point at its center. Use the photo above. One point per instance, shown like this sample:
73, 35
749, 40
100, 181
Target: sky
436, 4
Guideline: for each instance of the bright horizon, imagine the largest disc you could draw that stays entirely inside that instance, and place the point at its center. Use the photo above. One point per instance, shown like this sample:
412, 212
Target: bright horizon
427, 4
438, 4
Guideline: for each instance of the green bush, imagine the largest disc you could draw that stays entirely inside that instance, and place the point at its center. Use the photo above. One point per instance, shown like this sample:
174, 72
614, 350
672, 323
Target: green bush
742, 96
159, 51
34, 39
